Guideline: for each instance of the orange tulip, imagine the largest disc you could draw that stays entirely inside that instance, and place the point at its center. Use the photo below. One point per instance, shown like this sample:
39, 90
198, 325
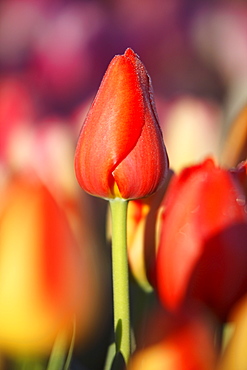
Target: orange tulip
202, 250
45, 280
234, 149
142, 234
137, 218
120, 151
184, 342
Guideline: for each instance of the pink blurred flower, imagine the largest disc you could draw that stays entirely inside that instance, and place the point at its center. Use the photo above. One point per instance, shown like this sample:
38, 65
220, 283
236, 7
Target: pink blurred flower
16, 112
192, 130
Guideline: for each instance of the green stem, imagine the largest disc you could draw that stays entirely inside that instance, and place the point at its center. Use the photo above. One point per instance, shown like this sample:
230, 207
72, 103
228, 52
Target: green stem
120, 277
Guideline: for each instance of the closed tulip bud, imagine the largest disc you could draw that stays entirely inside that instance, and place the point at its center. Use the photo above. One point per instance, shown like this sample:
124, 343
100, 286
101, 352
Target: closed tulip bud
120, 151
45, 281
202, 249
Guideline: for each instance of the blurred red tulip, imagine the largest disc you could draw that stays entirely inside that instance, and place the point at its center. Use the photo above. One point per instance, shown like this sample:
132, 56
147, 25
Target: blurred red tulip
120, 152
202, 250
184, 342
46, 280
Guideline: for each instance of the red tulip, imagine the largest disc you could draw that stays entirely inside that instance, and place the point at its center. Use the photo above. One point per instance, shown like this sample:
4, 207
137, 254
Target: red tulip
202, 251
120, 152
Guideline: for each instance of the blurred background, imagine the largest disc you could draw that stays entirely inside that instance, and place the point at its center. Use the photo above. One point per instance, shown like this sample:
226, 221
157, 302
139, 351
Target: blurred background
53, 55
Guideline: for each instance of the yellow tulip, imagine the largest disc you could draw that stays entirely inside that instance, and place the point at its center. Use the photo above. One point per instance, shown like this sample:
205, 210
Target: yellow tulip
45, 280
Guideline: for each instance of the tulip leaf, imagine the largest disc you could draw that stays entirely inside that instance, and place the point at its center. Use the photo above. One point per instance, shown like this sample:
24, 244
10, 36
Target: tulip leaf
114, 361
58, 354
110, 356
118, 362
228, 331
71, 348
60, 359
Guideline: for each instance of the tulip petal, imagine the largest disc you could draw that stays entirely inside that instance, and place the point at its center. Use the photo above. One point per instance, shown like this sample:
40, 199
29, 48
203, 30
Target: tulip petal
122, 126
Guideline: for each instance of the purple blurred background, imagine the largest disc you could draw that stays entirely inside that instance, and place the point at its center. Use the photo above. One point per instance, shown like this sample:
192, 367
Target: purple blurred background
60, 49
